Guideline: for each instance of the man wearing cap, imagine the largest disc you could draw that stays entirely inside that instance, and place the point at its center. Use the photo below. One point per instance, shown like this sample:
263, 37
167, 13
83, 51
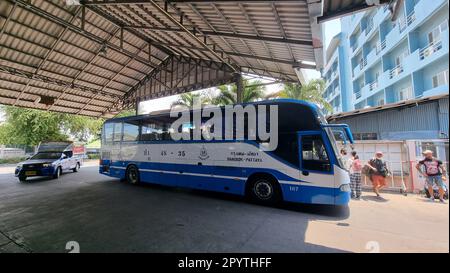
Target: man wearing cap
434, 174
379, 172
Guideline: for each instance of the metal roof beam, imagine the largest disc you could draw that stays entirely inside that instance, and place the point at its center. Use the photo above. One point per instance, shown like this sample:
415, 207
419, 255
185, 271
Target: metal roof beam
132, 2
180, 25
230, 35
54, 81
88, 35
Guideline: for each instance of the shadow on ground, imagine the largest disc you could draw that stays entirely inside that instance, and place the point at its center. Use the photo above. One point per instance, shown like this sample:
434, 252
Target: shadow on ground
106, 215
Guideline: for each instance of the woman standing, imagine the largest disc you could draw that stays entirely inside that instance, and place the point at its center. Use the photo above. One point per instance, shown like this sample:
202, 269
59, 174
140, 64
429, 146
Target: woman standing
379, 172
355, 175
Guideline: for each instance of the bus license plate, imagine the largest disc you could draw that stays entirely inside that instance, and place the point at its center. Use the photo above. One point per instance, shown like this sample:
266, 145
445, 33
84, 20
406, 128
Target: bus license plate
30, 173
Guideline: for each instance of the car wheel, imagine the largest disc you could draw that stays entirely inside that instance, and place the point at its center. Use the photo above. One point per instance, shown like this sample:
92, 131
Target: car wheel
57, 173
22, 178
132, 175
77, 168
264, 190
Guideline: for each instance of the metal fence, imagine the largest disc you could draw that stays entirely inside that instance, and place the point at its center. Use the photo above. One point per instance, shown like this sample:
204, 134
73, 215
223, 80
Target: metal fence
402, 177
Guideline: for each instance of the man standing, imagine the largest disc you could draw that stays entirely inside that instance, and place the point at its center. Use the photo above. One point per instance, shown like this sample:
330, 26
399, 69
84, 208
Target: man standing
379, 172
434, 174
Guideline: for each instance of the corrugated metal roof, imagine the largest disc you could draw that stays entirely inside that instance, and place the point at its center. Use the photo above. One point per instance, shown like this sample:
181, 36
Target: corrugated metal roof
398, 105
52, 59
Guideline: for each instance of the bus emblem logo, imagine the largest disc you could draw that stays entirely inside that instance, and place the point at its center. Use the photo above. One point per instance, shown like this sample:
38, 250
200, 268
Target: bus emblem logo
203, 153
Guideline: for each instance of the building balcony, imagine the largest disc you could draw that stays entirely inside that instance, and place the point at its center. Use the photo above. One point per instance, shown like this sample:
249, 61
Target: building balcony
381, 14
430, 49
373, 85
404, 23
424, 9
369, 27
380, 46
355, 46
429, 53
397, 70
372, 57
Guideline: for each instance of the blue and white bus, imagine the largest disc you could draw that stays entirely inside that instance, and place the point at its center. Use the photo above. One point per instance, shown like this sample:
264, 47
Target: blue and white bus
305, 167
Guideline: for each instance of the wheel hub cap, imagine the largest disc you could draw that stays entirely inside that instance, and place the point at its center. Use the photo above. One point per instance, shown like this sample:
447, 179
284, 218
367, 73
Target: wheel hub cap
263, 189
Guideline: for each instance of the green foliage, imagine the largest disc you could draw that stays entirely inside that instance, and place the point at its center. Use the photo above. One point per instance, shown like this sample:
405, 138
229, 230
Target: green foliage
12, 160
312, 92
187, 99
126, 113
252, 91
93, 156
30, 126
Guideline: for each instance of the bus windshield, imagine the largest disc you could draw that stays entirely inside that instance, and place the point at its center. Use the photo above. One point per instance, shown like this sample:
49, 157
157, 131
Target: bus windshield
333, 142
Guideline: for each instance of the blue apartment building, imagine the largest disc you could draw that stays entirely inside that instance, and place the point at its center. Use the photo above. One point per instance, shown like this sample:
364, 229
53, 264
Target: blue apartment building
375, 61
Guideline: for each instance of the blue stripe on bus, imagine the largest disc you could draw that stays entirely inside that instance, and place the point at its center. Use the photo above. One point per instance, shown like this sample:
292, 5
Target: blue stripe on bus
241, 172
152, 173
291, 193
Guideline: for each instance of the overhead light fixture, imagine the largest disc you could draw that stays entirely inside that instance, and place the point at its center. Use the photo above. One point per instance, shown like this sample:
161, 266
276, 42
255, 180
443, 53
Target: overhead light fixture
73, 2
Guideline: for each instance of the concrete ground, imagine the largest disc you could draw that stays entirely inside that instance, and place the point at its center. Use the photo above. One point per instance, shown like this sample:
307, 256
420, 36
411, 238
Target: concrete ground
105, 215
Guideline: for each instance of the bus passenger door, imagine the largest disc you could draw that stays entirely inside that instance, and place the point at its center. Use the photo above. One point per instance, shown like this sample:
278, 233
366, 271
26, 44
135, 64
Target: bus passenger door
316, 169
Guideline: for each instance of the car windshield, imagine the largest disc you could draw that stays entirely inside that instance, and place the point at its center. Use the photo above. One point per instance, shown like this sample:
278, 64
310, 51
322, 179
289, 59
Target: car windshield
47, 155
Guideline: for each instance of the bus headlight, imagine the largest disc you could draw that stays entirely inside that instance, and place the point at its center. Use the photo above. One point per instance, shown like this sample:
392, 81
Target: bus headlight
345, 187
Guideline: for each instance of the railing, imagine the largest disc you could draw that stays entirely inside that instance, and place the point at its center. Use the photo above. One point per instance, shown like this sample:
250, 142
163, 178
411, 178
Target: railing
362, 63
373, 85
357, 94
381, 46
402, 176
430, 49
405, 22
395, 71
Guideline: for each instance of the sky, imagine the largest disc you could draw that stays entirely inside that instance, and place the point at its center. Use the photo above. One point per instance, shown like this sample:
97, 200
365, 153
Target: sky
331, 28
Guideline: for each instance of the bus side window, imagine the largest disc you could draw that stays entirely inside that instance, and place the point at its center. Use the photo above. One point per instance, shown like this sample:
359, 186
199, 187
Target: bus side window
117, 132
130, 132
108, 132
314, 154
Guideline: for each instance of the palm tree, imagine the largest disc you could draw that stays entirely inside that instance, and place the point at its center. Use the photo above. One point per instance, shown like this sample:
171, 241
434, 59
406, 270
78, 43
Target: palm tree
252, 91
312, 92
187, 99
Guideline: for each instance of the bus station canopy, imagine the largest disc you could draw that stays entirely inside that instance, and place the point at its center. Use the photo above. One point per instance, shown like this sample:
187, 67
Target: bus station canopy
96, 57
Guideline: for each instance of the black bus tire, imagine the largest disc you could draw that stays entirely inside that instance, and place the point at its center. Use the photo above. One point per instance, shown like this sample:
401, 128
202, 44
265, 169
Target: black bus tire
263, 189
132, 175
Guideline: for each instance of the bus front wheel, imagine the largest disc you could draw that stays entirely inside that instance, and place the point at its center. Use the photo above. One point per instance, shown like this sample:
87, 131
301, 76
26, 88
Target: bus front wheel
264, 189
132, 175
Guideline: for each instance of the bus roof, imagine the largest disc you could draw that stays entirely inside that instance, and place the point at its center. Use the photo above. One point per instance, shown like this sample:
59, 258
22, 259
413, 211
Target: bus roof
312, 106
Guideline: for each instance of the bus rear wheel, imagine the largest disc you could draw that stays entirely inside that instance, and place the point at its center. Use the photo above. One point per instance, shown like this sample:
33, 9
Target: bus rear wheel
264, 190
132, 175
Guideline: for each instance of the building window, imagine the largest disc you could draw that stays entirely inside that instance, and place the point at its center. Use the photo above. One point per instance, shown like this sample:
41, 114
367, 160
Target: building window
405, 94
399, 59
441, 78
365, 136
435, 35
380, 102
